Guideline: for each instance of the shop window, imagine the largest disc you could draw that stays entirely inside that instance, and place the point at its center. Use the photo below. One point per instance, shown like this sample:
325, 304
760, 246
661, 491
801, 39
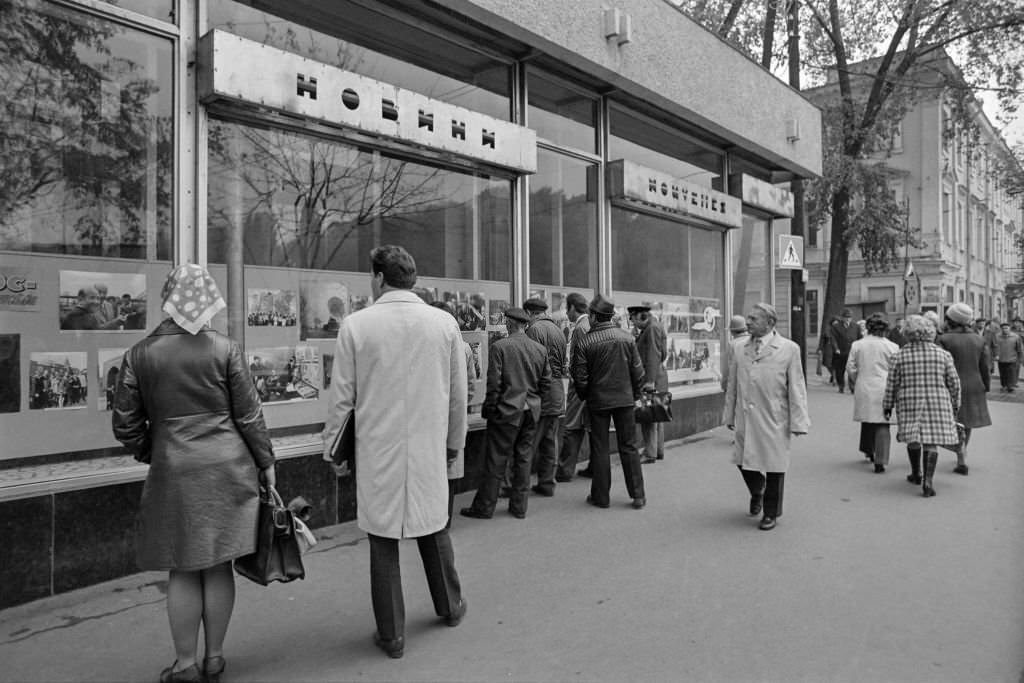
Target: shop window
428, 65
677, 270
650, 144
563, 221
158, 9
752, 265
560, 114
86, 133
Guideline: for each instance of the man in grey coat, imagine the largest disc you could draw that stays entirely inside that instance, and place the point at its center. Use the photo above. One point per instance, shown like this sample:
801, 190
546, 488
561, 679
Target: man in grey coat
546, 332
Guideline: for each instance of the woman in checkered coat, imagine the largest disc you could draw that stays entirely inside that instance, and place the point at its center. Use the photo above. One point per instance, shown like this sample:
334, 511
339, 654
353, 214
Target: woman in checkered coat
924, 389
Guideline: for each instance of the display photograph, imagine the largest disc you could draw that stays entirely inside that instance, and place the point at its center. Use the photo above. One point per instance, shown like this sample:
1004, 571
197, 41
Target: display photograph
323, 305
102, 302
10, 373
108, 367
271, 308
286, 373
58, 380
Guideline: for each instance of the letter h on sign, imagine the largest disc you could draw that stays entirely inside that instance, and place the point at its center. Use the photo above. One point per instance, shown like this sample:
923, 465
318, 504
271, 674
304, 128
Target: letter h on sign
305, 88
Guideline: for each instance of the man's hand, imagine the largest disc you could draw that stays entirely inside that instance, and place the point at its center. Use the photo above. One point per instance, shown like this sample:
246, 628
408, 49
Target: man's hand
452, 454
732, 428
341, 470
268, 477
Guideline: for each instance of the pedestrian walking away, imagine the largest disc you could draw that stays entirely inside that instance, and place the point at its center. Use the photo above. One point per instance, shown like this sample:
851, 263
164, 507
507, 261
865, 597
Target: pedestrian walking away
924, 391
973, 367
608, 374
400, 373
518, 375
185, 404
766, 405
868, 367
547, 439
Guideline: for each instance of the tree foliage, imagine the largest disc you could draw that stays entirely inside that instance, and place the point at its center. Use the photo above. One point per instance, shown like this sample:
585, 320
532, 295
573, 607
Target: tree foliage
902, 51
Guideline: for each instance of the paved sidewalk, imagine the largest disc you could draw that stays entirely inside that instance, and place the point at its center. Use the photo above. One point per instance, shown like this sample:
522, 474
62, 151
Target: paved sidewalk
863, 580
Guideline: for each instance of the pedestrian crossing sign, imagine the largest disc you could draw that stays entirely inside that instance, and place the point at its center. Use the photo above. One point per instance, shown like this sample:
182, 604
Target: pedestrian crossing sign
790, 253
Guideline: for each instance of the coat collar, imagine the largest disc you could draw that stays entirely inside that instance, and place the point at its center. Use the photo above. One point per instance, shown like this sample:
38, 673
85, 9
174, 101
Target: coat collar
768, 341
168, 326
406, 296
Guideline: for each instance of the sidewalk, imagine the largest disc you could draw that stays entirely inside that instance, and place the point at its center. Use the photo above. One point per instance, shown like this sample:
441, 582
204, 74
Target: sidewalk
863, 580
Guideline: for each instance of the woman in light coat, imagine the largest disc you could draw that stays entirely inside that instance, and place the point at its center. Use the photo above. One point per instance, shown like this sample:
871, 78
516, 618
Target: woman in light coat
868, 366
924, 390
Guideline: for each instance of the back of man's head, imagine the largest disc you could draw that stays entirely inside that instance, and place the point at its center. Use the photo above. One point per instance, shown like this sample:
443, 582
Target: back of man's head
396, 264
576, 302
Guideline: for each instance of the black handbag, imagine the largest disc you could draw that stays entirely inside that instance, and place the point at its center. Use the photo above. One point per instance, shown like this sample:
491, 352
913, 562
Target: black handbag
278, 556
655, 406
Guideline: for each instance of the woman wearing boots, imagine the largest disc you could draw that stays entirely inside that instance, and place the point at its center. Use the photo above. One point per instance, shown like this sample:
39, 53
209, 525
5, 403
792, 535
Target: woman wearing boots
924, 390
972, 359
868, 368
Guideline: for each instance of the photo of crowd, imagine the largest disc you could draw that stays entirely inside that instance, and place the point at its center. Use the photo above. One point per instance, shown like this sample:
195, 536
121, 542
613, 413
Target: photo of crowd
102, 302
286, 373
58, 380
271, 308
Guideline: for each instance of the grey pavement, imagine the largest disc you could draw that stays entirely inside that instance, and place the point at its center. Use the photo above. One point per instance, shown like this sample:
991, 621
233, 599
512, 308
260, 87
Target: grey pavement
862, 580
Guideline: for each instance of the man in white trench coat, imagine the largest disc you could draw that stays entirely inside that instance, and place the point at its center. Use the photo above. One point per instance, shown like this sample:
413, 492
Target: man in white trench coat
400, 372
766, 403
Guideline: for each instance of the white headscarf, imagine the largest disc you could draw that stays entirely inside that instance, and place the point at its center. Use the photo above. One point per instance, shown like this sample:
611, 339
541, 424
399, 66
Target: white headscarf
191, 298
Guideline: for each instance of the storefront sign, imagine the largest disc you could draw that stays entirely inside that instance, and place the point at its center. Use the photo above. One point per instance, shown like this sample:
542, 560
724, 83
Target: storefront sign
239, 70
644, 189
772, 199
18, 291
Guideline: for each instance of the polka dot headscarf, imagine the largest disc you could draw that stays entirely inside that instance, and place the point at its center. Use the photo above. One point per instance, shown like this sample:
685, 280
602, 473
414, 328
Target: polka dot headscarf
191, 297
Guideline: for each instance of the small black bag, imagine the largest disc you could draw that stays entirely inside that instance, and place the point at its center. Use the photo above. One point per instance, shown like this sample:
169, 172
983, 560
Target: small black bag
278, 556
655, 406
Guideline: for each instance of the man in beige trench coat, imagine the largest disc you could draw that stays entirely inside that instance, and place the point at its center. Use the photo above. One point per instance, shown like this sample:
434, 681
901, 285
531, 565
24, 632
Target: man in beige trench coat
400, 372
766, 403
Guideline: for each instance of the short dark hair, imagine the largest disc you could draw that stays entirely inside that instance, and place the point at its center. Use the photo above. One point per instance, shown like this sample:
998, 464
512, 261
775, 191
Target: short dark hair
576, 302
602, 317
395, 263
877, 324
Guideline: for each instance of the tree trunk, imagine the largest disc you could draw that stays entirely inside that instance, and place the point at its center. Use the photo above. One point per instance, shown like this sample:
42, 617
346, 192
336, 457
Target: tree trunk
839, 257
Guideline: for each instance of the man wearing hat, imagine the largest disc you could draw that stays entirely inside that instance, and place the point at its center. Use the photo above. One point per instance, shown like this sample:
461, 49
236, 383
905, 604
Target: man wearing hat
844, 333
546, 332
608, 374
738, 336
652, 344
518, 376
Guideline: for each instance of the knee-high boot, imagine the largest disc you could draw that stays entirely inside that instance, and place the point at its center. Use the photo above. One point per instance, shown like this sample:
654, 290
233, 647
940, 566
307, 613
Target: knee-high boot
931, 460
914, 454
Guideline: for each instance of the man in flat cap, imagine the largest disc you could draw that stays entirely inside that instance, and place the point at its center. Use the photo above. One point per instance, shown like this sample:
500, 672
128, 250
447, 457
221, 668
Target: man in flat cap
738, 336
518, 375
652, 344
608, 374
766, 404
844, 332
546, 332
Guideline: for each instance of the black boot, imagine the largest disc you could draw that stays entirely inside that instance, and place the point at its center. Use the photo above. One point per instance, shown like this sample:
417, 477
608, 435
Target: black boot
931, 460
914, 454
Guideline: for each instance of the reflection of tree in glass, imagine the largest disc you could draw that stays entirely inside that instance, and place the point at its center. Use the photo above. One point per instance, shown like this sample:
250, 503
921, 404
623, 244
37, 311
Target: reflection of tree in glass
302, 199
78, 132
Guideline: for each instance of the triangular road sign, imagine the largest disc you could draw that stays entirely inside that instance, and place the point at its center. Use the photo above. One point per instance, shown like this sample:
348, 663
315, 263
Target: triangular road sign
790, 257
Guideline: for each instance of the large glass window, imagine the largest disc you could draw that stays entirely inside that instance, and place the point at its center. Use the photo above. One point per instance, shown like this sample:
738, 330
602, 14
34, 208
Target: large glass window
86, 135
304, 202
563, 221
426, 64
560, 114
648, 143
752, 266
158, 9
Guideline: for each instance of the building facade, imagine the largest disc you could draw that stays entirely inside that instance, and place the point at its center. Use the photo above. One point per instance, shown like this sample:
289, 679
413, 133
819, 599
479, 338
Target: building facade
515, 148
962, 211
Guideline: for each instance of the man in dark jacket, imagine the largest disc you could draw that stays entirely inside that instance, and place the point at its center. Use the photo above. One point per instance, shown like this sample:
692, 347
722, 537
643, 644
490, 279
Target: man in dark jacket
608, 374
652, 344
844, 333
546, 332
517, 377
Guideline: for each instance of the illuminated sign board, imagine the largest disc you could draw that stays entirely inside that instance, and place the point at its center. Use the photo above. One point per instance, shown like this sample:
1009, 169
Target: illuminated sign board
235, 69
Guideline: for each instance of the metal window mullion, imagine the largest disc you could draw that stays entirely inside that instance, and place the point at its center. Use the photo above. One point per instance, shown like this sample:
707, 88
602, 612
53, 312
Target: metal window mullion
521, 196
190, 141
604, 228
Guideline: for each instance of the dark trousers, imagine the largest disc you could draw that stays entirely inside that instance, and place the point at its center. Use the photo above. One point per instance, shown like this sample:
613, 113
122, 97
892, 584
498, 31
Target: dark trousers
573, 442
545, 450
504, 440
839, 369
769, 486
386, 580
1008, 375
629, 456
875, 438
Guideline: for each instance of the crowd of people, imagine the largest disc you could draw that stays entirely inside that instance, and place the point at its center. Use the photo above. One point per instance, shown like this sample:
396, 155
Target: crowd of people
932, 378
57, 386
